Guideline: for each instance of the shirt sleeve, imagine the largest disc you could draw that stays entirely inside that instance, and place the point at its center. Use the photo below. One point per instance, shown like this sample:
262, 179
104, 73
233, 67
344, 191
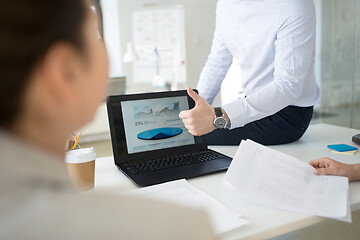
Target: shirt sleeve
294, 59
216, 67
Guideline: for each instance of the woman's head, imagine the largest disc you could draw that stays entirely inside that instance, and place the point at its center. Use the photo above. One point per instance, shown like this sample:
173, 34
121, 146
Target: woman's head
52, 62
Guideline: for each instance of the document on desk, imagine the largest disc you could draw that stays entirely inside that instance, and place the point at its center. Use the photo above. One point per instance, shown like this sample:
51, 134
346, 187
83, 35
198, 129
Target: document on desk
281, 181
182, 193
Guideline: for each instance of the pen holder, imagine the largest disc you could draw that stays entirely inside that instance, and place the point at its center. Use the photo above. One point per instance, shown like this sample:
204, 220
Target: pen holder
69, 145
76, 147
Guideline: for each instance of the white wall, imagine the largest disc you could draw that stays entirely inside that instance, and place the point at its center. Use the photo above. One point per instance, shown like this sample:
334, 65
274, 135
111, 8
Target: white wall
112, 38
335, 51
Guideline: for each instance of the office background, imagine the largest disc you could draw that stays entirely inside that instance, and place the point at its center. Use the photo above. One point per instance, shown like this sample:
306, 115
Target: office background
337, 56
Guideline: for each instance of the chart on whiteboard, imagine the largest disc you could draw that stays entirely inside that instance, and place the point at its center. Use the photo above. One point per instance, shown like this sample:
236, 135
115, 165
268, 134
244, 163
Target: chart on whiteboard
162, 28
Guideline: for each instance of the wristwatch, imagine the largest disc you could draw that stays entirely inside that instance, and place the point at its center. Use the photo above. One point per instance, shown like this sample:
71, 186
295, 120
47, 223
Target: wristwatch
219, 121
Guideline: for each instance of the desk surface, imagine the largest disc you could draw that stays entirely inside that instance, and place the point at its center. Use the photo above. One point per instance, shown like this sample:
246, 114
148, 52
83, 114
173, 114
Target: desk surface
264, 222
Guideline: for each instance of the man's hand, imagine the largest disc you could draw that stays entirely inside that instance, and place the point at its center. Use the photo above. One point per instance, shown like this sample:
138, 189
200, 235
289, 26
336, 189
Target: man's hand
328, 166
200, 119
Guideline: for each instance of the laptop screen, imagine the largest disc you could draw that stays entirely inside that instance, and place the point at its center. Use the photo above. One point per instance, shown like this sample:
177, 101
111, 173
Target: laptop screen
147, 125
152, 124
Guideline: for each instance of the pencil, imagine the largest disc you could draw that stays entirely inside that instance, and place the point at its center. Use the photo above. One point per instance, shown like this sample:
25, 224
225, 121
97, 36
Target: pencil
76, 141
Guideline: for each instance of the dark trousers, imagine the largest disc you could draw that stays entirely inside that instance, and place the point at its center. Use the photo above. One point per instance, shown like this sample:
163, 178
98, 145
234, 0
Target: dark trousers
285, 126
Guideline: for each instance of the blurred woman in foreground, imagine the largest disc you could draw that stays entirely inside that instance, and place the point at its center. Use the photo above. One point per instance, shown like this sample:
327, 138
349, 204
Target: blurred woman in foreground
54, 68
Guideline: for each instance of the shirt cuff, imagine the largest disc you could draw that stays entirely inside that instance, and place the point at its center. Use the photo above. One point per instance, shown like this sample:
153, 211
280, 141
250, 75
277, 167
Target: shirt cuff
232, 110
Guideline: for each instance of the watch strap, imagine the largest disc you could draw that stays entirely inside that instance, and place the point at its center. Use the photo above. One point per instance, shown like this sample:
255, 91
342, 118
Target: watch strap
218, 112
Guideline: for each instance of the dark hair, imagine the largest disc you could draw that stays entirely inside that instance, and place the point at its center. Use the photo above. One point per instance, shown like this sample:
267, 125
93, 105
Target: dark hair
28, 29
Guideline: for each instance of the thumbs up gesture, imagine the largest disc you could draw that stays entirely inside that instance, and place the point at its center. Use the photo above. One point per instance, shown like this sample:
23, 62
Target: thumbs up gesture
200, 119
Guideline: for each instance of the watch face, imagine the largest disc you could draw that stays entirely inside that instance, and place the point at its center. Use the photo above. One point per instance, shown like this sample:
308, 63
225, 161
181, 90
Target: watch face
220, 122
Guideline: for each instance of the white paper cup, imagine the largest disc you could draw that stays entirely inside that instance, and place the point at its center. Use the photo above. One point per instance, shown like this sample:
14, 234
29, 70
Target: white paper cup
81, 167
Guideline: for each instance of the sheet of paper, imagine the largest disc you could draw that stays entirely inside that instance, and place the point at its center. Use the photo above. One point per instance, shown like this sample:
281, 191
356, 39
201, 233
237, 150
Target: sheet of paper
281, 181
181, 192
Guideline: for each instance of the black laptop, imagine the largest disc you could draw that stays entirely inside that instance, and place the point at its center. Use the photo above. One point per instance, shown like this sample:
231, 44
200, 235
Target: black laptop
150, 142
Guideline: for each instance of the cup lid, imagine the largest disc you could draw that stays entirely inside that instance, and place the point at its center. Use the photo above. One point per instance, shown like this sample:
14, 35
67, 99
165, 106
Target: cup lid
80, 155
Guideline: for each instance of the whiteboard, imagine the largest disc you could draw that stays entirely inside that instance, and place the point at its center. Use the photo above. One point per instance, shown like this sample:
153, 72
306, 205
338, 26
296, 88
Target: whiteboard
163, 28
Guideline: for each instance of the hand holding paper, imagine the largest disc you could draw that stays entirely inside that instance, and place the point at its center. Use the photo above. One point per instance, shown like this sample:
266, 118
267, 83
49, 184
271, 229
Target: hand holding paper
328, 166
281, 181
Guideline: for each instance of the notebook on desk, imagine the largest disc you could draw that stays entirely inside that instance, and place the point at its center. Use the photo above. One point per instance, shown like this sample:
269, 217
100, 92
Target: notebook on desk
150, 142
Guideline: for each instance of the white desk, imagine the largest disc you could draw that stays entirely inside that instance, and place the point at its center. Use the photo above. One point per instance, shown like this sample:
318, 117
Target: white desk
264, 222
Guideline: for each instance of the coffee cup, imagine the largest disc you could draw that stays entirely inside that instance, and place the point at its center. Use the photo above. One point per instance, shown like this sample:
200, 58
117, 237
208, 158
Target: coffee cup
81, 167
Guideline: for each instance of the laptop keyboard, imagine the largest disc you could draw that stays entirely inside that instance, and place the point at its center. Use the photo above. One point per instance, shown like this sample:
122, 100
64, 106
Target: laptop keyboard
173, 161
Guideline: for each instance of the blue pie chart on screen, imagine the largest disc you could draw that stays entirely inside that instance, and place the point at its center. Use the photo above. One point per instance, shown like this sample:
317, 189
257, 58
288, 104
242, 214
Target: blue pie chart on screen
159, 133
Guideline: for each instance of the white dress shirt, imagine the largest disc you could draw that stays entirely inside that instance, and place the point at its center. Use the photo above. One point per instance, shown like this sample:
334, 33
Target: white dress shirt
274, 43
37, 201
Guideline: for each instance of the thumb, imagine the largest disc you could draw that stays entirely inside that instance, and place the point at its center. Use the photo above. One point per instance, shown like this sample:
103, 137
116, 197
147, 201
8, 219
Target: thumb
196, 97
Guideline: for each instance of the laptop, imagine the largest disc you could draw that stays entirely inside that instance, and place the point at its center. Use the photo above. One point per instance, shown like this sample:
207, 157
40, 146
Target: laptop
150, 142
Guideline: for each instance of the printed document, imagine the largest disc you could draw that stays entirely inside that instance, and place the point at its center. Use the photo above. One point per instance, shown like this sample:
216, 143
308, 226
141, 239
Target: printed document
182, 193
281, 181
